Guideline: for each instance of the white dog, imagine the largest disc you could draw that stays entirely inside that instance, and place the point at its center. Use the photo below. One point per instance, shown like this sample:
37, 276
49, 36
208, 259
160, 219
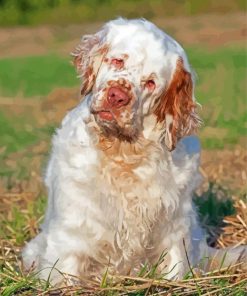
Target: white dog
120, 184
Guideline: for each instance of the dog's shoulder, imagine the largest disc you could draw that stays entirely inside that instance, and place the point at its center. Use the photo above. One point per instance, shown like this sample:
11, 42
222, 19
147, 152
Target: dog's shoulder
186, 162
73, 128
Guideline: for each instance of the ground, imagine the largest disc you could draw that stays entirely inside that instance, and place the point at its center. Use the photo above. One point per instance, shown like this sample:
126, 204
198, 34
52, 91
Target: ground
38, 85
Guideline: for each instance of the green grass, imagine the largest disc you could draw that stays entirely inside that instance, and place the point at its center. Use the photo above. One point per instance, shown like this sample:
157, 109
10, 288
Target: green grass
35, 76
220, 88
14, 135
20, 223
212, 210
34, 12
20, 220
18, 135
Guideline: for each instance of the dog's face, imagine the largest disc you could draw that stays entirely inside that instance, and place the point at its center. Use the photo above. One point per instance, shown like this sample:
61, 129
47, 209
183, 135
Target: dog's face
129, 79
132, 71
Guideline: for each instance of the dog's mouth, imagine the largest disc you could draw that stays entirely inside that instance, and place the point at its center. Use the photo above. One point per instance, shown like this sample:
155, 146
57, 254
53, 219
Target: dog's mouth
105, 118
109, 125
105, 115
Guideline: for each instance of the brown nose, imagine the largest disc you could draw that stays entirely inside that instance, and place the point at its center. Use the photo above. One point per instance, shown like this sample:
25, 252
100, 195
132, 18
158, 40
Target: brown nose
117, 97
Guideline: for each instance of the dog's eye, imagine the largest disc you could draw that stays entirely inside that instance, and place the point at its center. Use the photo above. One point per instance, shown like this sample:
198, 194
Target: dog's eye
118, 63
150, 85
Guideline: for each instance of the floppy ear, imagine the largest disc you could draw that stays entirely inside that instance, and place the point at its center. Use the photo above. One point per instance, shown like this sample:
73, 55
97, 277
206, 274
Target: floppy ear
176, 107
88, 57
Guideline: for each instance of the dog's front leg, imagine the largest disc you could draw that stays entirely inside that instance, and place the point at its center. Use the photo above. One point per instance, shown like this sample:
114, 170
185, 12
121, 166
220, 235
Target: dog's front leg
173, 252
175, 263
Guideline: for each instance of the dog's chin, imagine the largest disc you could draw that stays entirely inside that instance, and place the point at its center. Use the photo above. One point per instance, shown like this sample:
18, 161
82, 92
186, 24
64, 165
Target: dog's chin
112, 128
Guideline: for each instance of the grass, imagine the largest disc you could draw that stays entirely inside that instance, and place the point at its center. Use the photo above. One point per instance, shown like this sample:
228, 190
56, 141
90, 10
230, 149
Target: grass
221, 89
20, 134
22, 223
212, 209
30, 12
222, 92
35, 76
15, 136
210, 284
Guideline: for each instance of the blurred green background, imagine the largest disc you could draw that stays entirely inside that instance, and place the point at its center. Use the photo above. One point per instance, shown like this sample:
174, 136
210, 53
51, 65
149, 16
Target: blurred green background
34, 12
38, 84
38, 81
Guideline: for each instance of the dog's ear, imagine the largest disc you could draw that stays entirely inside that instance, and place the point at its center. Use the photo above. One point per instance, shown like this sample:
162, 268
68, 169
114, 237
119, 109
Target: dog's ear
177, 107
88, 57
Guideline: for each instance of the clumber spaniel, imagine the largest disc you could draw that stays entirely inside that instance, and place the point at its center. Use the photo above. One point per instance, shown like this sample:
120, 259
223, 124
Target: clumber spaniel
120, 184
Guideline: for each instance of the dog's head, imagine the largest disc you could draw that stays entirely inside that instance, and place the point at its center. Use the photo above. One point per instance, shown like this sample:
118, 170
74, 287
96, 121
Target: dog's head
131, 70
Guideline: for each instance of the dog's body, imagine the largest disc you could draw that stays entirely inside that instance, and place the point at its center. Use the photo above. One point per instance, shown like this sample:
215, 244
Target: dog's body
118, 196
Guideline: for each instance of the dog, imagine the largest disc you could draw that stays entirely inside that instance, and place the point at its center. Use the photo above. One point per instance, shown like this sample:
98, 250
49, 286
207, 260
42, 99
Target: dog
124, 163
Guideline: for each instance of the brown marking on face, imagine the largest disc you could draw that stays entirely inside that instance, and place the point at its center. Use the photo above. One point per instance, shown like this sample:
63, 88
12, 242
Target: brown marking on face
103, 49
88, 57
88, 76
117, 63
121, 121
125, 86
177, 102
150, 85
120, 82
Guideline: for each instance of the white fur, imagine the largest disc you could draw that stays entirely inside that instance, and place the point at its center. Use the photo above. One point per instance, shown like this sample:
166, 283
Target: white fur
121, 206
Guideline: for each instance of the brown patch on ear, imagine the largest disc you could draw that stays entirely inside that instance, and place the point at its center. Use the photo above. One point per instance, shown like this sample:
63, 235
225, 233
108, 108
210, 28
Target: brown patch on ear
176, 107
88, 57
88, 78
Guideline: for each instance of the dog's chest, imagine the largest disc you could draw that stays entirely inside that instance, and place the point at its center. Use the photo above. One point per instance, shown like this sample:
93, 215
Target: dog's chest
130, 196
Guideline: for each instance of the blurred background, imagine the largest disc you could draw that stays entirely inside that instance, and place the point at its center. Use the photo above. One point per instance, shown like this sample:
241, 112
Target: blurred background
38, 83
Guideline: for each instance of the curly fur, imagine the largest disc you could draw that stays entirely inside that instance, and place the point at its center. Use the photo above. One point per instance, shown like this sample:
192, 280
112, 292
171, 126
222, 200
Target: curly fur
118, 195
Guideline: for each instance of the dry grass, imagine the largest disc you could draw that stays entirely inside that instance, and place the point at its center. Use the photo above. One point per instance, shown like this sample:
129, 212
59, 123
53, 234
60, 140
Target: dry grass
235, 231
21, 223
223, 211
23, 201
